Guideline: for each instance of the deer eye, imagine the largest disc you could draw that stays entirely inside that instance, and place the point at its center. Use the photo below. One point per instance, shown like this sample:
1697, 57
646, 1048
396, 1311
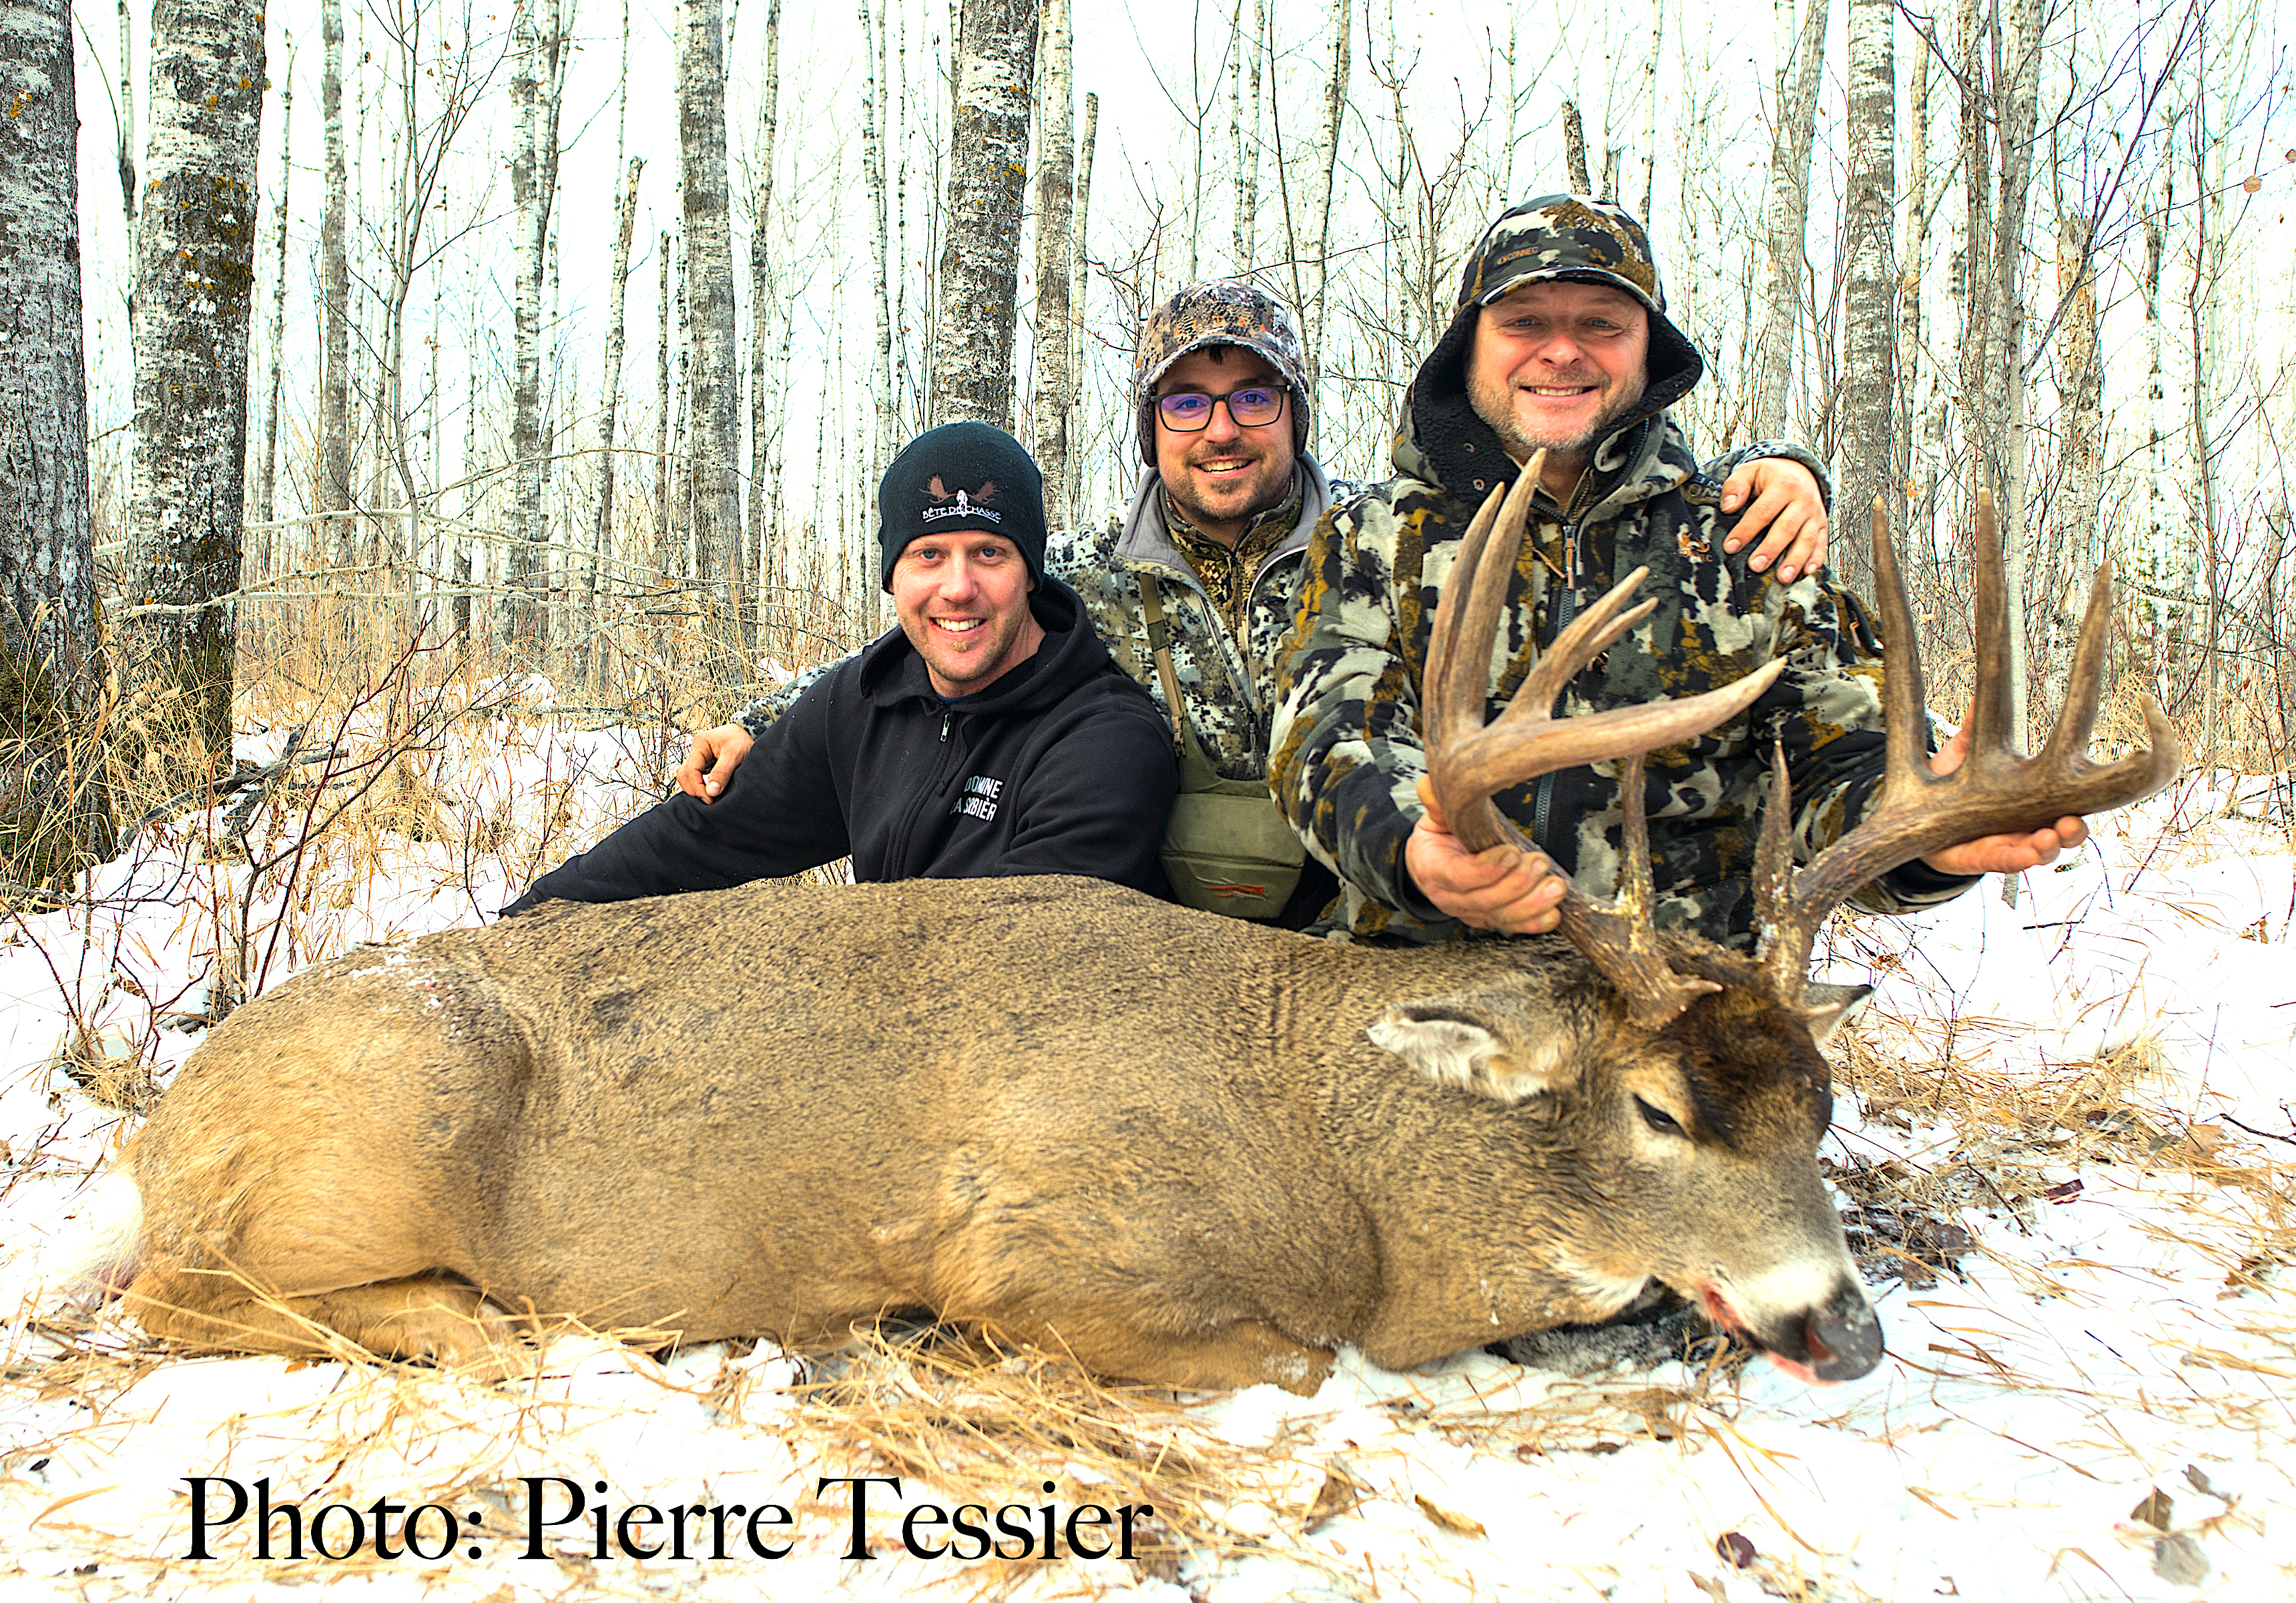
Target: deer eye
1659, 1119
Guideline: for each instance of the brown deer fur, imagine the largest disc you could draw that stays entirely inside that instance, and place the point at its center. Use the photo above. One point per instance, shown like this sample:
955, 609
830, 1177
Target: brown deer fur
1182, 1149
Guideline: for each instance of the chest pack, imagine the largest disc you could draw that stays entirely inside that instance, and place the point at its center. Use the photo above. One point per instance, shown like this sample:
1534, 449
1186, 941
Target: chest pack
1227, 850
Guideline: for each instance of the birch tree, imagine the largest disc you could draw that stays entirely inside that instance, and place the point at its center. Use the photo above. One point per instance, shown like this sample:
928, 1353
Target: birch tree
591, 654
334, 489
874, 96
1056, 383
1327, 159
1801, 65
266, 505
714, 403
195, 292
54, 813
981, 251
1867, 467
1246, 56
764, 417
529, 227
2000, 75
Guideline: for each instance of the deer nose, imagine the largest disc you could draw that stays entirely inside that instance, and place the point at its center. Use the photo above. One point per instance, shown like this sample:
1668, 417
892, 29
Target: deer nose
1844, 1338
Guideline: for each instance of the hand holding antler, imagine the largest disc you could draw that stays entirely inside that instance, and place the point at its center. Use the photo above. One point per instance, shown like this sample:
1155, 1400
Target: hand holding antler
1503, 888
2011, 853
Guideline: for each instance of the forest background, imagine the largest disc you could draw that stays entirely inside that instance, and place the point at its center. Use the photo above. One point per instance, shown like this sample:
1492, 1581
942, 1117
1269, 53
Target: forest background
577, 338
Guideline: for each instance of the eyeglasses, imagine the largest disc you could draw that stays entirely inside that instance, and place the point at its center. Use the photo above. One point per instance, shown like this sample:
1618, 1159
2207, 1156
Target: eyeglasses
1254, 406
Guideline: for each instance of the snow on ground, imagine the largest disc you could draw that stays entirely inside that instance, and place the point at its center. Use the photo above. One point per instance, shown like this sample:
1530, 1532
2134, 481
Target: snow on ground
2073, 1127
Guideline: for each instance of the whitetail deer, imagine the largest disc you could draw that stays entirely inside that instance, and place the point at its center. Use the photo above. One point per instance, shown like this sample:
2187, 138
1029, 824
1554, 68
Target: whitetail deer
1181, 1148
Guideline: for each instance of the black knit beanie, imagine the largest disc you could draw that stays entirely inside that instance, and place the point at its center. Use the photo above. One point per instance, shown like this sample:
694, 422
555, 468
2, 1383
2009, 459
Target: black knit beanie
963, 476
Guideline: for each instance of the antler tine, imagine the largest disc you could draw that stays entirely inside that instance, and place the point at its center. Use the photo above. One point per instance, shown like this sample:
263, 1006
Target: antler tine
1774, 866
2084, 681
1988, 707
1905, 688
1587, 637
1995, 791
1468, 760
1458, 678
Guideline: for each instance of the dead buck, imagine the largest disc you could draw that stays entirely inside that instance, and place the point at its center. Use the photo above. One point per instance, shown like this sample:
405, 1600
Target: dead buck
1181, 1148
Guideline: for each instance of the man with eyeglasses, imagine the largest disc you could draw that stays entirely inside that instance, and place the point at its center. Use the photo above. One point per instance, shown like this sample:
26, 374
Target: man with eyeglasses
1195, 588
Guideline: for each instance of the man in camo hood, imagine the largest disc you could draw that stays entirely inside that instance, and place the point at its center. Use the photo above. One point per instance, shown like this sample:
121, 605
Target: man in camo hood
1560, 341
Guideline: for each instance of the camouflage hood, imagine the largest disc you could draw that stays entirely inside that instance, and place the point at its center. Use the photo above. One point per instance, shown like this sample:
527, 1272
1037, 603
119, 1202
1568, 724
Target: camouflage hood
1218, 311
1441, 440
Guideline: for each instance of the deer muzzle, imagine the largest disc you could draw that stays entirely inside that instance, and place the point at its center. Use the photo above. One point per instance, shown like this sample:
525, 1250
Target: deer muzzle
1844, 1338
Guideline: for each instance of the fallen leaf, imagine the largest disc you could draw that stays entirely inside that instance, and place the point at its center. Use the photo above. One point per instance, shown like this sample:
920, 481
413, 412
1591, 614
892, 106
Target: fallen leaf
2064, 1193
1735, 1548
2199, 1482
1339, 1494
1458, 1525
2179, 1561
2156, 1510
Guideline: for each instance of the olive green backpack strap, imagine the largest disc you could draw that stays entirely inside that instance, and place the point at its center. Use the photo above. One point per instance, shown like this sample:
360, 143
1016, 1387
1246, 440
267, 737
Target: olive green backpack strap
1226, 849
1195, 769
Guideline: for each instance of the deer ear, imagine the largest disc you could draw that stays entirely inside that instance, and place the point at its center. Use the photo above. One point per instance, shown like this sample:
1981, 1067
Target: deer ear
1464, 1047
1825, 1008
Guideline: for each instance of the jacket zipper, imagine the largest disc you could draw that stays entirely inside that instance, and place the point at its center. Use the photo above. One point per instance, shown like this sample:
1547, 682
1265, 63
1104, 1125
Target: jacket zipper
898, 858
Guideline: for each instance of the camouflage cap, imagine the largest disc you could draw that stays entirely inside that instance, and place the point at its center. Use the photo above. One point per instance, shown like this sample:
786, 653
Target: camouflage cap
1575, 237
1218, 311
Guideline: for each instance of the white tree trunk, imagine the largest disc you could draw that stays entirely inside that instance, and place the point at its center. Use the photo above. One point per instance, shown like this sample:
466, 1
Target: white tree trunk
529, 226
2154, 566
1650, 106
1077, 284
1910, 459
626, 218
872, 162
1055, 384
335, 490
1867, 470
1327, 158
1785, 221
267, 498
980, 254
765, 402
194, 294
54, 814
2018, 41
715, 405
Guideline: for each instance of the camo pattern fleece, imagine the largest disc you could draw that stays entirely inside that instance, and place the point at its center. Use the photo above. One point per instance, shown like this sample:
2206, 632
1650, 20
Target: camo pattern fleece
1347, 734
1227, 679
1226, 674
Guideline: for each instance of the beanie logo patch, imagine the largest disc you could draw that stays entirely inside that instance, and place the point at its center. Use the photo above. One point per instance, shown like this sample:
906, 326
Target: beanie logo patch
957, 503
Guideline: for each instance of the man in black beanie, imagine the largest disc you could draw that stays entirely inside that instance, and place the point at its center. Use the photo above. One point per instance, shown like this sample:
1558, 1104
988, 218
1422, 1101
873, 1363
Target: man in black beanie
988, 735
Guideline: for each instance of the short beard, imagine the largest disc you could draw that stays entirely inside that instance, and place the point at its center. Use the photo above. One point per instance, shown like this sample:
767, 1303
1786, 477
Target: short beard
1499, 411
1178, 494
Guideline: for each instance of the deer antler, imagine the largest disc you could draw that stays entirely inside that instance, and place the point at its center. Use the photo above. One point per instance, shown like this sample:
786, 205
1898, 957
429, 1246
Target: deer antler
1468, 762
1995, 791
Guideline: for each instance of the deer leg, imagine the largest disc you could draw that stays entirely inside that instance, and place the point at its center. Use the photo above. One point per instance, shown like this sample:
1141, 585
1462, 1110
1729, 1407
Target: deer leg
431, 1316
1248, 1352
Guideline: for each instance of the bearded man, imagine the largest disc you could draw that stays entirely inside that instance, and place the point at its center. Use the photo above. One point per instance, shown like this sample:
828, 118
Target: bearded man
1560, 342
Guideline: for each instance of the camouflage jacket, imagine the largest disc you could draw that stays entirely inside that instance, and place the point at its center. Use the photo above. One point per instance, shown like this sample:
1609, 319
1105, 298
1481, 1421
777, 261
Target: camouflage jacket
1229, 687
1347, 752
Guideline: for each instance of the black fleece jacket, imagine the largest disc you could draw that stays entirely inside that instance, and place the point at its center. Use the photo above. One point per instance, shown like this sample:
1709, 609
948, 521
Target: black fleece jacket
1063, 766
